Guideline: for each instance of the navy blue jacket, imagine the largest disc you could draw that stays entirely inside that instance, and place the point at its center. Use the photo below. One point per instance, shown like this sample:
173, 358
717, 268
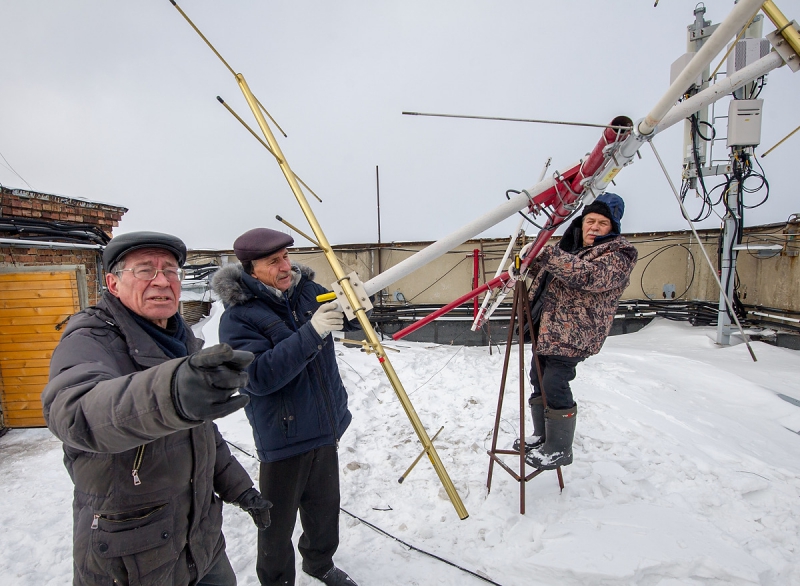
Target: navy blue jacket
297, 399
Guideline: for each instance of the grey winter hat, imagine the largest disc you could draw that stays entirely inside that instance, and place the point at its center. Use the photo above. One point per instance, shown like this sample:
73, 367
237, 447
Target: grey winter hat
260, 242
121, 245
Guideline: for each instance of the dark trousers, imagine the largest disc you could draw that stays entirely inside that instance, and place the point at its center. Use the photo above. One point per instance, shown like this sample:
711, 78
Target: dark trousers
308, 483
557, 372
220, 574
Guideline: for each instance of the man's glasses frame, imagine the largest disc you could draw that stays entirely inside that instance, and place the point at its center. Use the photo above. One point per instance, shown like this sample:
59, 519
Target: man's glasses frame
173, 274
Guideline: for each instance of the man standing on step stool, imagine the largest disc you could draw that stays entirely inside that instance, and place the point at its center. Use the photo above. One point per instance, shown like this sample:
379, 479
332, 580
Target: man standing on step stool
576, 287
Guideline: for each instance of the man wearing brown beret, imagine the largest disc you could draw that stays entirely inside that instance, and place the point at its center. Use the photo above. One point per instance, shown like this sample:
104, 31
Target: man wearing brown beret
298, 403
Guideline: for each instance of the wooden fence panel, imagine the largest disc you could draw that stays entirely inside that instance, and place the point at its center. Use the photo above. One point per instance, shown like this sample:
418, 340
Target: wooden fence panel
32, 304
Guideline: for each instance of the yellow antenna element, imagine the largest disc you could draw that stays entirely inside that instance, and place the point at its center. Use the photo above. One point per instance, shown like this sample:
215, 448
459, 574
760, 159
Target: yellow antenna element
355, 303
225, 63
418, 458
265, 145
783, 25
303, 234
365, 347
780, 142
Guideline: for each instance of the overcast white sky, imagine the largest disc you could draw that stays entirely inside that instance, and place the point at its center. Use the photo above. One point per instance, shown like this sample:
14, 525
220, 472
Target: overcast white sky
115, 102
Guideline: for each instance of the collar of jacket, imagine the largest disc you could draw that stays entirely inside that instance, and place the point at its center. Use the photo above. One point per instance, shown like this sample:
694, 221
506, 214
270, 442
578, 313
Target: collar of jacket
257, 287
142, 348
234, 287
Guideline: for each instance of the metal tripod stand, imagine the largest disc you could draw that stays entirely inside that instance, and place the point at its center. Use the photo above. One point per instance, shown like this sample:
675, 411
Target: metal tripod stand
520, 315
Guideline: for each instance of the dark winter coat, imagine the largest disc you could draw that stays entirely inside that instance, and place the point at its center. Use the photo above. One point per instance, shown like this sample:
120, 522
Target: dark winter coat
579, 303
297, 399
109, 400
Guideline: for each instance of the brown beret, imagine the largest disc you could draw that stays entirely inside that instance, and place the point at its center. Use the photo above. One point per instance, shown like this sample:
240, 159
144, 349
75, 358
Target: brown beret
260, 242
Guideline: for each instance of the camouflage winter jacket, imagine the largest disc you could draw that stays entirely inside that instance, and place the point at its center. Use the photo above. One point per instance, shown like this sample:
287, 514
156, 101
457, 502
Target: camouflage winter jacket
579, 304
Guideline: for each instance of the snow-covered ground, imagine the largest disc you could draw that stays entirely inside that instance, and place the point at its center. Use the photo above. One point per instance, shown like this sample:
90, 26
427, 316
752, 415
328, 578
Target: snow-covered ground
687, 471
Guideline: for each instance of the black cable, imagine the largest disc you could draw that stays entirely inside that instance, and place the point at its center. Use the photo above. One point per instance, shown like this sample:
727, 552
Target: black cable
764, 184
695, 127
700, 134
387, 534
521, 213
439, 279
422, 551
657, 252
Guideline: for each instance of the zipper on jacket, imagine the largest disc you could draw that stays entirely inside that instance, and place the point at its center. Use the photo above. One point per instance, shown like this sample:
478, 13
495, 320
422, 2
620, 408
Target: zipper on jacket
137, 463
328, 405
98, 516
296, 295
292, 314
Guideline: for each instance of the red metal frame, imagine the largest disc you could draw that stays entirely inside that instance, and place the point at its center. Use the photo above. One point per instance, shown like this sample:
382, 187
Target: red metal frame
476, 255
558, 203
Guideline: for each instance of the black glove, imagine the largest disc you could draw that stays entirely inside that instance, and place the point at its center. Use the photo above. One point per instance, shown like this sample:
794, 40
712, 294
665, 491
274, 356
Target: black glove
255, 504
204, 384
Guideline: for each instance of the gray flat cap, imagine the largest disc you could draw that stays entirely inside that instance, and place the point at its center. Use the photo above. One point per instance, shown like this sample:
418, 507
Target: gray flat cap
121, 245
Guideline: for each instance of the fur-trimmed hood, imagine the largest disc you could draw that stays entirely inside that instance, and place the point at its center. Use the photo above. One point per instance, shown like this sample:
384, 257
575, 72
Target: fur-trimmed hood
229, 283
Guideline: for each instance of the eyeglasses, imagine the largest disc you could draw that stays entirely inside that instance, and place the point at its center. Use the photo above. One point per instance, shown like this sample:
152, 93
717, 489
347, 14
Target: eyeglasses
150, 273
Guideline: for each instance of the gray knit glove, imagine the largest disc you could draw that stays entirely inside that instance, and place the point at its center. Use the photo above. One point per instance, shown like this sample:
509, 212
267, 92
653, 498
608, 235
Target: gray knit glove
328, 318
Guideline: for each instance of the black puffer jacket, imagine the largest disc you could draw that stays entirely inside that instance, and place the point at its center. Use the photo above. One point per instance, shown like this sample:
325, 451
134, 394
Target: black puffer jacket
297, 399
109, 401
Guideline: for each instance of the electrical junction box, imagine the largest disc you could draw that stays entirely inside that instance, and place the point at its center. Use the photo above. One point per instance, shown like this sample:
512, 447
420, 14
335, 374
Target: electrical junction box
744, 122
746, 52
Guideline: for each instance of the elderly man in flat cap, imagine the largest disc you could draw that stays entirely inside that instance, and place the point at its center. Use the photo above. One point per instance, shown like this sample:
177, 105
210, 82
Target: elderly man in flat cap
298, 403
133, 398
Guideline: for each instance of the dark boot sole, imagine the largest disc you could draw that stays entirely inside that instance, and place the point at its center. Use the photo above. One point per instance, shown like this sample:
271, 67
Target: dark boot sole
528, 447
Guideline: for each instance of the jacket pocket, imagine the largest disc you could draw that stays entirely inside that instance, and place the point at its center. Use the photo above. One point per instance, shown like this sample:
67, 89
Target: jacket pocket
288, 418
141, 539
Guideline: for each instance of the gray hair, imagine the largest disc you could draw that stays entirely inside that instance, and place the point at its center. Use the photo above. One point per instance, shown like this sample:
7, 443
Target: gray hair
117, 266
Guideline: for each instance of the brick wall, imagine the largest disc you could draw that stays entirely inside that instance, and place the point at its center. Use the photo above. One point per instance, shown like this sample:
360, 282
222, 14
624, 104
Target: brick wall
17, 203
21, 204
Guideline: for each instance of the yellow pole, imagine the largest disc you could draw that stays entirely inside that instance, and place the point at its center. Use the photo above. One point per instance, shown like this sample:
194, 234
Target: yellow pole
780, 142
355, 303
782, 24
418, 458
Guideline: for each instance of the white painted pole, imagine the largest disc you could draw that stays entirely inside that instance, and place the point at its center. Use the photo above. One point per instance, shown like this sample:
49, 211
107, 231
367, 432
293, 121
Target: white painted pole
738, 17
449, 242
720, 89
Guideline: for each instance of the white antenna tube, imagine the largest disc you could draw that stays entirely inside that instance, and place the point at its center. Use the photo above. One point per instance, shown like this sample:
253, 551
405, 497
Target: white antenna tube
502, 265
720, 89
449, 242
738, 17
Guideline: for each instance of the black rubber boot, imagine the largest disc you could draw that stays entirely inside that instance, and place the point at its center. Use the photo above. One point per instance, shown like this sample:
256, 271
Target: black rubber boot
537, 414
557, 449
